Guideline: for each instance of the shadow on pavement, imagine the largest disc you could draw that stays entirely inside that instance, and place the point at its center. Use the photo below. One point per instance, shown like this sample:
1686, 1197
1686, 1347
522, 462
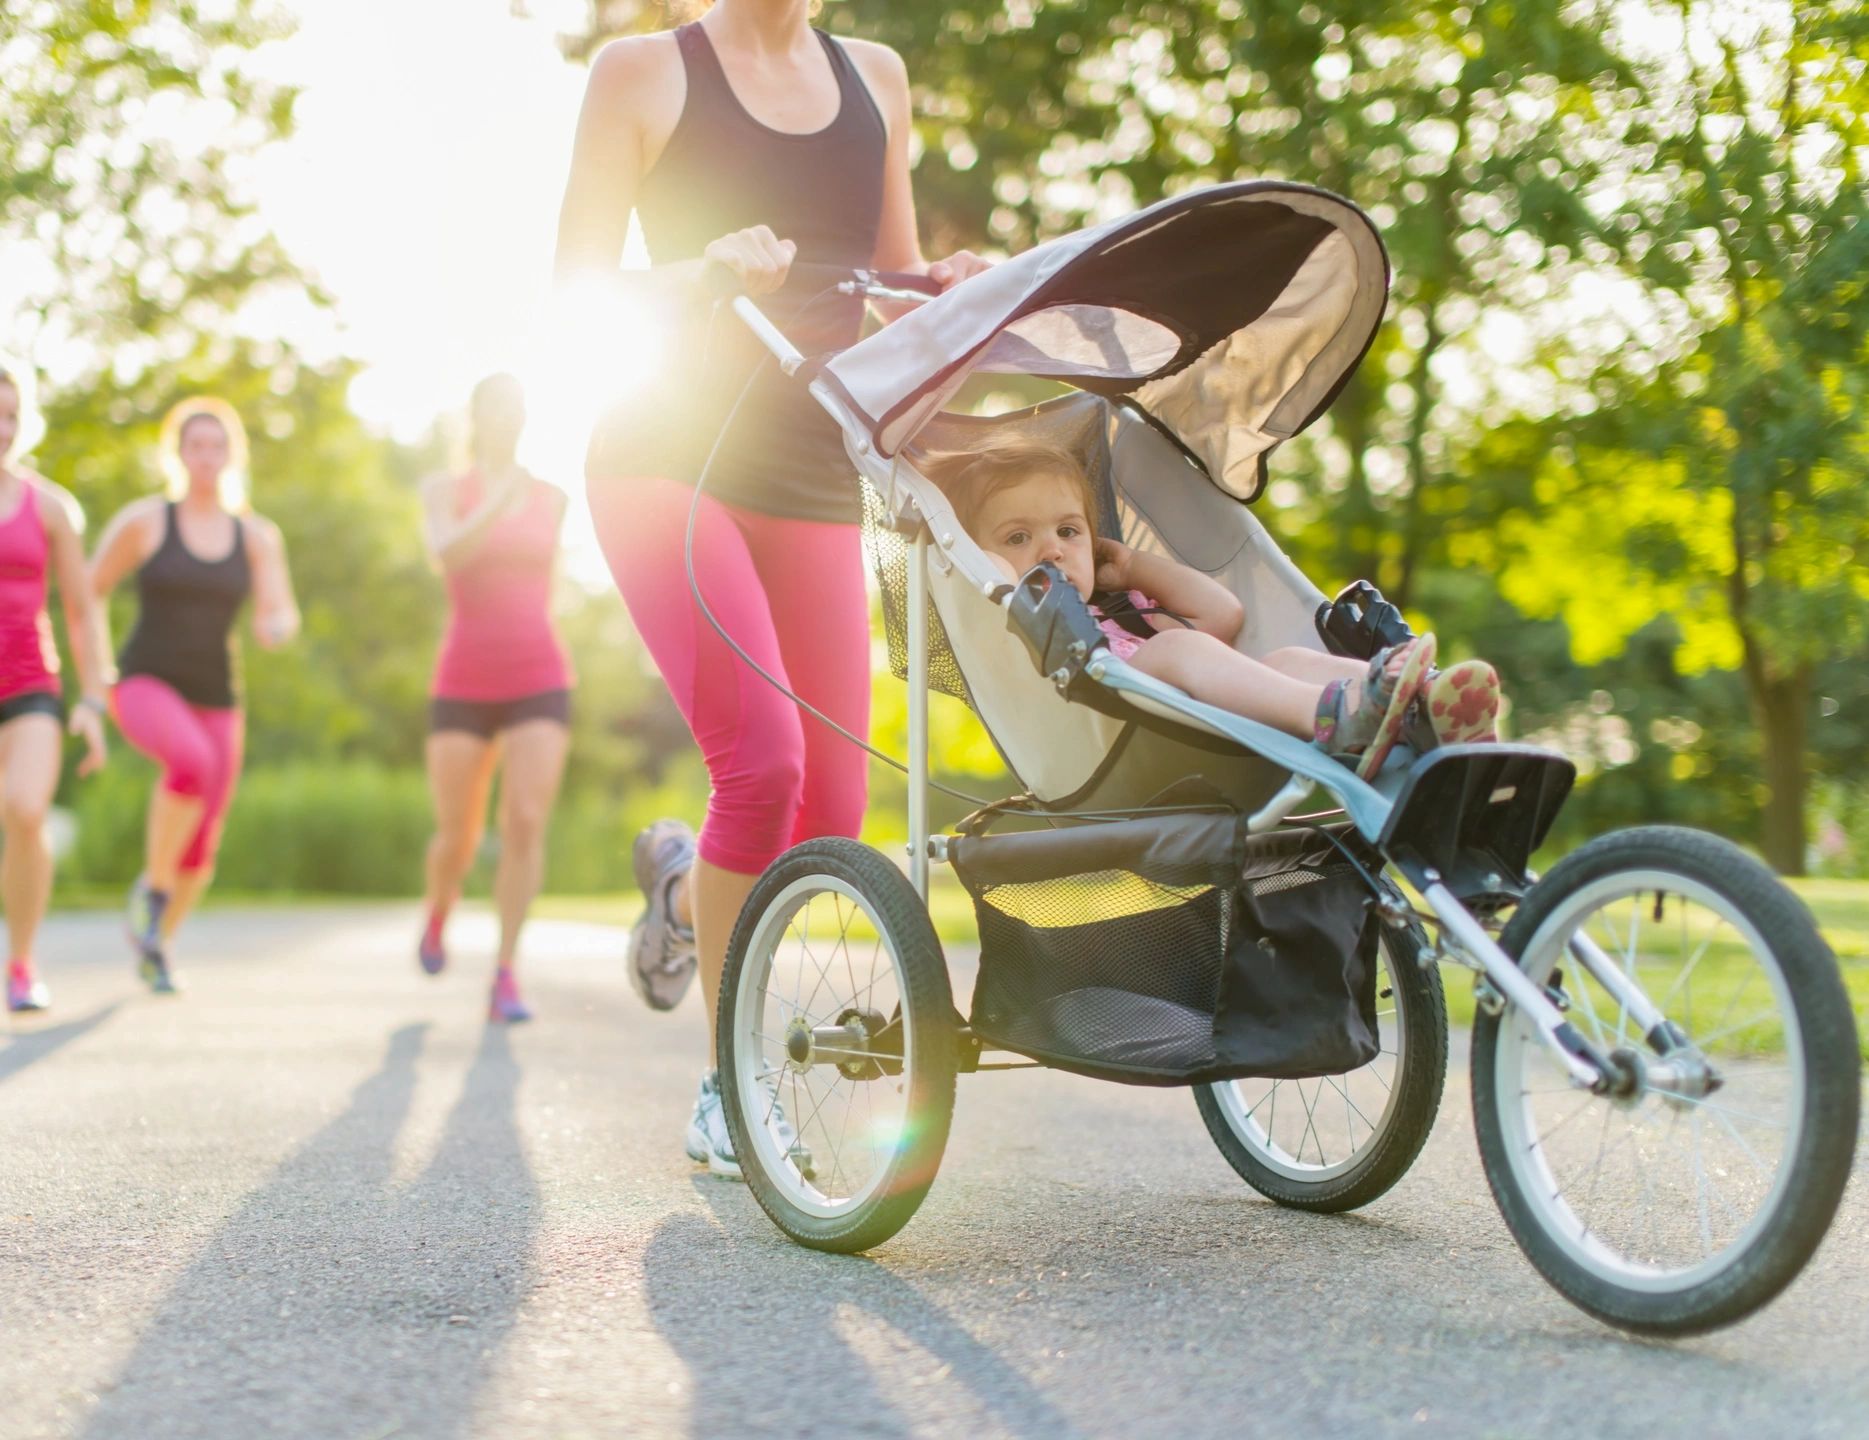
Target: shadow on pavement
765, 1330
335, 1304
30, 1045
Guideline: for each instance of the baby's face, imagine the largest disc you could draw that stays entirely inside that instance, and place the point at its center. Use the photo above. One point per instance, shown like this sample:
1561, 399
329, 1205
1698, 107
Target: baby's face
1040, 518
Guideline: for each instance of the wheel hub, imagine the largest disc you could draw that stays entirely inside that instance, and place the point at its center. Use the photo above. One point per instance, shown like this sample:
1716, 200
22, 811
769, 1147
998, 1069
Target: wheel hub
845, 1045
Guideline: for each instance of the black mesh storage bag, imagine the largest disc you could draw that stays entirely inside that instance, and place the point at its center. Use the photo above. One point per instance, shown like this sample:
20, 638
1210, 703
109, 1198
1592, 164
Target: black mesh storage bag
1298, 992
1171, 950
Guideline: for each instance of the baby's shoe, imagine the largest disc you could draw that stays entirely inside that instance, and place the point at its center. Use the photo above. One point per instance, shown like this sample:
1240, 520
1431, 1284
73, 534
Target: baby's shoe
1364, 735
1461, 703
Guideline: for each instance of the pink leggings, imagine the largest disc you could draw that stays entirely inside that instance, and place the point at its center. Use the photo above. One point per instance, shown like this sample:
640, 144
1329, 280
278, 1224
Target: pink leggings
790, 592
198, 748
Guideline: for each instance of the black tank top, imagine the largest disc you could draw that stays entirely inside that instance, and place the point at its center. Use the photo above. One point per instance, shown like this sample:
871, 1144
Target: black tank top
722, 171
185, 618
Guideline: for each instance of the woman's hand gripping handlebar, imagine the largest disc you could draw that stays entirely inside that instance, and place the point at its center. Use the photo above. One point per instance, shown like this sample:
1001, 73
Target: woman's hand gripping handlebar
827, 280
724, 281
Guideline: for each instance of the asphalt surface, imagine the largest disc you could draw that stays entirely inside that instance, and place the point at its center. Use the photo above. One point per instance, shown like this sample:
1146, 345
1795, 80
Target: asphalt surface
318, 1196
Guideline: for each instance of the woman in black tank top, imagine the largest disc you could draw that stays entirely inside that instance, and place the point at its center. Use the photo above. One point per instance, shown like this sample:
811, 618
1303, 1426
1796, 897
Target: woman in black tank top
177, 696
742, 141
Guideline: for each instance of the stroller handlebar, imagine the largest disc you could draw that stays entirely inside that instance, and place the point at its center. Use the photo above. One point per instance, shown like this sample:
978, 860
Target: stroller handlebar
808, 275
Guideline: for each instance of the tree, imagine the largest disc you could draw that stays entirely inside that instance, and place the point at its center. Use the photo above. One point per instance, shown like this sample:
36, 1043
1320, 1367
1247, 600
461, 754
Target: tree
122, 123
1722, 474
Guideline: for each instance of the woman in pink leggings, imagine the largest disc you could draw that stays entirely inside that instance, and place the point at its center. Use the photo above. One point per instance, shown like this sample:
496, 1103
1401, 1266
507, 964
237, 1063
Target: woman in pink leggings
502, 689
196, 555
40, 536
740, 141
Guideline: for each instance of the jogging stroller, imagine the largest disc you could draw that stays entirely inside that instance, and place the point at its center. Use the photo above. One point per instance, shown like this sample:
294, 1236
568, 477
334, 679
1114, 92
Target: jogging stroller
1664, 1064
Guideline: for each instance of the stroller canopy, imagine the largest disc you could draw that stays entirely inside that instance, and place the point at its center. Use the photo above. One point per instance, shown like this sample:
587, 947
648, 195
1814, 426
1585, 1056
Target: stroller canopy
1232, 315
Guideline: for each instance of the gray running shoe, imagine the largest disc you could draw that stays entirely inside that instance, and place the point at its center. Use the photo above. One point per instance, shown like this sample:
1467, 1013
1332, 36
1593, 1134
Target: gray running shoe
661, 948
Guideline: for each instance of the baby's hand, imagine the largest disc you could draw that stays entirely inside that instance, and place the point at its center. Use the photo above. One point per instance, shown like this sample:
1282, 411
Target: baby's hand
1113, 559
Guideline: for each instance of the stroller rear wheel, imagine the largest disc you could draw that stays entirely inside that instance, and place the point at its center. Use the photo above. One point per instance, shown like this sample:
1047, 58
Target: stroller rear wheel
837, 1046
1338, 1142
1697, 1188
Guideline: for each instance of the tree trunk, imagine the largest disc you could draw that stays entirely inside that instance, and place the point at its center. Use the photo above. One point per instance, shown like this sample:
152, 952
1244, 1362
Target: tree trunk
1414, 522
1782, 707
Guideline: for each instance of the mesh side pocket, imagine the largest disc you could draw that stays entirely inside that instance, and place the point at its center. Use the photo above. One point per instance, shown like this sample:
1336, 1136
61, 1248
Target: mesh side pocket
1298, 994
1104, 972
888, 553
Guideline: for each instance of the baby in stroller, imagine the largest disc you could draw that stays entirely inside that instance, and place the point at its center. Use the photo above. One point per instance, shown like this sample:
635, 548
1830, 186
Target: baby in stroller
1028, 503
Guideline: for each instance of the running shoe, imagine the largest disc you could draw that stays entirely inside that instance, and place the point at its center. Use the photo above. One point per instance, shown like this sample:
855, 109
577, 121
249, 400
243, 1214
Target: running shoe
429, 949
709, 1144
153, 967
505, 1004
24, 989
143, 923
661, 948
707, 1141
139, 920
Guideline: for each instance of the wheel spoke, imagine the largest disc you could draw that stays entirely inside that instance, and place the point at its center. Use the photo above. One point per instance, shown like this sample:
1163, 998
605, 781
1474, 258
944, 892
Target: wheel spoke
1657, 1191
1735, 1027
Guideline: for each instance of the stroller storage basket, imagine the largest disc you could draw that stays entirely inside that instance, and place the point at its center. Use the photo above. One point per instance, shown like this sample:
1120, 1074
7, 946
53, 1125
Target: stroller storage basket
1173, 950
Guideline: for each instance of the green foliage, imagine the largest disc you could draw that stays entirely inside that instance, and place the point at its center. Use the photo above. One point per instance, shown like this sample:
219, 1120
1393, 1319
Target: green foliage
1613, 436
122, 123
1630, 337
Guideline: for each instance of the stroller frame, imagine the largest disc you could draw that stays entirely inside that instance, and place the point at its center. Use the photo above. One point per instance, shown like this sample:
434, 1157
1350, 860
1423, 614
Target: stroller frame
1232, 317
1376, 810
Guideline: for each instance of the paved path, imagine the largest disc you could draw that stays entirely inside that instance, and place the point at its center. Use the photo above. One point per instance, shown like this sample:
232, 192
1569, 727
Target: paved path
318, 1197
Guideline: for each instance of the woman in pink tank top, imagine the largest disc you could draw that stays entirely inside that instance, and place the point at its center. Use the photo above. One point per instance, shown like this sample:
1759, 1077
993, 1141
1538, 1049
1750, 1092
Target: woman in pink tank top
502, 688
40, 526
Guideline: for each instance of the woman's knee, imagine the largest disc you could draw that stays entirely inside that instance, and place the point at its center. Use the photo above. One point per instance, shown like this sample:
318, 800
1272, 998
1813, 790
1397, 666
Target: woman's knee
23, 814
457, 845
523, 825
755, 803
192, 773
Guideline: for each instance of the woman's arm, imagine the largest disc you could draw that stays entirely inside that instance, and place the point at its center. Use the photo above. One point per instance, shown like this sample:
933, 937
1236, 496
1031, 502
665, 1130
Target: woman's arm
454, 539
275, 608
1200, 599
631, 103
898, 245
64, 528
128, 541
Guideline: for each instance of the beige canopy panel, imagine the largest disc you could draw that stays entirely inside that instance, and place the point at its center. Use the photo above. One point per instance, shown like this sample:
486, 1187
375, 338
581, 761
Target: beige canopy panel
1231, 315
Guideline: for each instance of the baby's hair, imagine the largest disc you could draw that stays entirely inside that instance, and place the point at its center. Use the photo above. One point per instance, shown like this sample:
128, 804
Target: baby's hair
968, 477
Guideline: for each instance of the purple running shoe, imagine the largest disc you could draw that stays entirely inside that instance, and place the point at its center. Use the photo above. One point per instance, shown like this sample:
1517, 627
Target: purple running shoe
25, 990
505, 1004
429, 949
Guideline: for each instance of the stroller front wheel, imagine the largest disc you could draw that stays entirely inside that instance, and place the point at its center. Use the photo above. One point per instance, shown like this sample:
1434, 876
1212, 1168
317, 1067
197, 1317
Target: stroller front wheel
836, 1045
1697, 1190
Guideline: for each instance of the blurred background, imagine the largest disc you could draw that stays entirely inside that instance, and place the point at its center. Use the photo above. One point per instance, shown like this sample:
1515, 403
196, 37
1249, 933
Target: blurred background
1614, 435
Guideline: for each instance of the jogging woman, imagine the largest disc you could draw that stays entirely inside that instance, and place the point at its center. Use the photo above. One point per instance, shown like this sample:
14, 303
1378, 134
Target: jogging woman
740, 141
196, 554
502, 690
40, 529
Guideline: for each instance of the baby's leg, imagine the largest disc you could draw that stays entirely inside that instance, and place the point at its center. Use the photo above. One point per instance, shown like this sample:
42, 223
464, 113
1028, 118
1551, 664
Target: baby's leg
1214, 672
1315, 665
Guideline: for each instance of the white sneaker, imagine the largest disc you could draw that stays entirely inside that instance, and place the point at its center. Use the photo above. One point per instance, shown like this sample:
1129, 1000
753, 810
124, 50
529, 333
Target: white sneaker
708, 1142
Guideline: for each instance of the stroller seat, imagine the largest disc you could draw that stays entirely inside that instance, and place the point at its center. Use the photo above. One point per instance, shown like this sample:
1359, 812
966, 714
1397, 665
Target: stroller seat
1078, 756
